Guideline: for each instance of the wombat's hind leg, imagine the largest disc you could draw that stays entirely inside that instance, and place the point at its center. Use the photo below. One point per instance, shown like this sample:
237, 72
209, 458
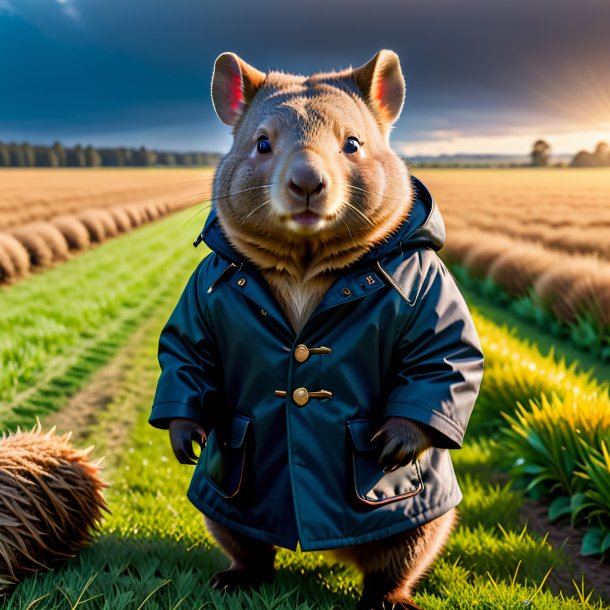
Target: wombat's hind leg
392, 566
251, 560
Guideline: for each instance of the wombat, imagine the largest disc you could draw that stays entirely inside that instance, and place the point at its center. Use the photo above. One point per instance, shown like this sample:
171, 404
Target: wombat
322, 354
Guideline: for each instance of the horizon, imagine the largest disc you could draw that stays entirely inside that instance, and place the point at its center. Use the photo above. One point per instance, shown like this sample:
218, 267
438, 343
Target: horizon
137, 72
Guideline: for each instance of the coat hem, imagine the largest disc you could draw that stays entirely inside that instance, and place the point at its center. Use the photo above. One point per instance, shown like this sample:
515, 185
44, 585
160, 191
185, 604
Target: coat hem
408, 524
258, 534
331, 543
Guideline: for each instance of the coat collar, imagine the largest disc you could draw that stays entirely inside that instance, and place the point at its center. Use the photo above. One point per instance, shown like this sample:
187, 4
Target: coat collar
423, 227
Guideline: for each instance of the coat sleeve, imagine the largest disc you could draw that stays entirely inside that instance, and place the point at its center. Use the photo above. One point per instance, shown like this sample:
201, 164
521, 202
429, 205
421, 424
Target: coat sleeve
438, 364
188, 385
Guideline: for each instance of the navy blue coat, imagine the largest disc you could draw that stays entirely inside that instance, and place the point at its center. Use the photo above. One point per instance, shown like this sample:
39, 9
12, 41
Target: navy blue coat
290, 416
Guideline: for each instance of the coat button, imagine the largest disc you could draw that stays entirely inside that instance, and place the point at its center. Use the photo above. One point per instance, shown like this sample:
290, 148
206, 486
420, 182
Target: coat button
300, 396
301, 353
241, 282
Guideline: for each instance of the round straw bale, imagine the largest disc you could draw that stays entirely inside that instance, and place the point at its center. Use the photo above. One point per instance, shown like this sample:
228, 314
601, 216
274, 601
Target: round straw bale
150, 209
51, 502
40, 252
135, 214
15, 261
73, 230
92, 222
517, 269
121, 219
483, 253
53, 237
110, 226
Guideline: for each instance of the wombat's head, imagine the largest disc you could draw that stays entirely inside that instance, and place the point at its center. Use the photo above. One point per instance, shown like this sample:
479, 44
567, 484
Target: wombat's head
310, 161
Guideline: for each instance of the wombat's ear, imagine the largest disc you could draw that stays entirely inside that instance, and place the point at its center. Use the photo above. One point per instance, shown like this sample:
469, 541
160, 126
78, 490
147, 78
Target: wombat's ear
383, 85
234, 84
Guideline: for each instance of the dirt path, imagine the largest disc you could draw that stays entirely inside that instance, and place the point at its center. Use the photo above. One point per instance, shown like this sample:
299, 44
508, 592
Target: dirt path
104, 409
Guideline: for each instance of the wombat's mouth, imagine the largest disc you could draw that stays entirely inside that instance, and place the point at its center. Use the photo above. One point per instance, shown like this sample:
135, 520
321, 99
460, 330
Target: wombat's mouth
306, 218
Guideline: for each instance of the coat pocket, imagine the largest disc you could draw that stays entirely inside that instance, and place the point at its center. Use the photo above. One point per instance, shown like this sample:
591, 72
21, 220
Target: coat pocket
227, 450
372, 485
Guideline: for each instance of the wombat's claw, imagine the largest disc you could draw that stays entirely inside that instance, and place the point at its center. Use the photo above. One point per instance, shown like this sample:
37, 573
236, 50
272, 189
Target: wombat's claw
236, 578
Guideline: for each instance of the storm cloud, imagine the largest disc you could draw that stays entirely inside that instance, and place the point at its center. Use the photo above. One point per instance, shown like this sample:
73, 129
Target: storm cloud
138, 71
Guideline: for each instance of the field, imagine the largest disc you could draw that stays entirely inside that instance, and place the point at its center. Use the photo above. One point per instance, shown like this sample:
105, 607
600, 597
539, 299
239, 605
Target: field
542, 237
78, 349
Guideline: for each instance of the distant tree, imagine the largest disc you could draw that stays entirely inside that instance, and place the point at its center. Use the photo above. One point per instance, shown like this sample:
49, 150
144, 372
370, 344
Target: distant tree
60, 151
5, 155
29, 156
540, 153
582, 158
16, 153
166, 158
75, 157
144, 157
46, 157
599, 158
602, 154
92, 157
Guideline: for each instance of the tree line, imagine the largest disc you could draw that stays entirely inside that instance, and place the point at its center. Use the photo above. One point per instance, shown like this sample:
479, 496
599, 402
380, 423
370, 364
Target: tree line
600, 157
57, 155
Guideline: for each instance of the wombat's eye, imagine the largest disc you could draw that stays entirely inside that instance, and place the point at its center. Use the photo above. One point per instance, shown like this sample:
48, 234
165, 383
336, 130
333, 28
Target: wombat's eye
263, 145
351, 146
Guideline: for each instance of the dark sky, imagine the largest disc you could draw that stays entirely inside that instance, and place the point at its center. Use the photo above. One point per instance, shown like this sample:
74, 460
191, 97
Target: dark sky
481, 74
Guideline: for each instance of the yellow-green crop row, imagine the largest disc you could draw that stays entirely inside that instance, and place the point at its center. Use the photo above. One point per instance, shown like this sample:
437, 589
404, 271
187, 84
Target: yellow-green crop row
59, 326
558, 435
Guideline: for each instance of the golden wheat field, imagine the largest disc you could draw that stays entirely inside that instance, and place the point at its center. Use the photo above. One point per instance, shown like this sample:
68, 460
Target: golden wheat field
539, 232
46, 215
543, 232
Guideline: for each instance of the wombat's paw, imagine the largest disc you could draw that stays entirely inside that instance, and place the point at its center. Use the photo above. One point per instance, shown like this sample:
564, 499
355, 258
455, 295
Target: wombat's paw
384, 604
234, 579
182, 433
401, 441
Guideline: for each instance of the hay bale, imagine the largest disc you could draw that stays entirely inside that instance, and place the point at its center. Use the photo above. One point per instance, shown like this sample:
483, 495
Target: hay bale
517, 269
74, 231
53, 237
484, 252
14, 259
135, 214
121, 219
51, 502
110, 226
92, 222
150, 209
39, 251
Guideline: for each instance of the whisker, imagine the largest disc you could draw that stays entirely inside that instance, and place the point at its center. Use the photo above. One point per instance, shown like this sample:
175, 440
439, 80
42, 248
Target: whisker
205, 207
351, 186
241, 224
254, 188
350, 233
349, 205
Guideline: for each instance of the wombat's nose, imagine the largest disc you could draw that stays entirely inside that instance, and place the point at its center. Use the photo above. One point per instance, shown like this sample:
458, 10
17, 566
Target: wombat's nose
305, 180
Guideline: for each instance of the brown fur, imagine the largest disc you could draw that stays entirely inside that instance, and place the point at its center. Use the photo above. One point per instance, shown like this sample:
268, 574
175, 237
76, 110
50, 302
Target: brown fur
359, 199
367, 197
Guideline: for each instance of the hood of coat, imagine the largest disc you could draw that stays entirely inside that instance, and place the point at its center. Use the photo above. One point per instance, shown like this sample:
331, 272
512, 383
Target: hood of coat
423, 228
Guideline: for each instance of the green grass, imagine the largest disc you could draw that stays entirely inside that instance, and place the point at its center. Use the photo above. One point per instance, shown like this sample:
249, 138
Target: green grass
59, 326
153, 551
